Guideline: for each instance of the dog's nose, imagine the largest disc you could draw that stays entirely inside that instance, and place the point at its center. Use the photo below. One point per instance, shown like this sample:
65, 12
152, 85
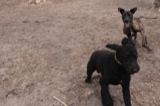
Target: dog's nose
126, 21
135, 70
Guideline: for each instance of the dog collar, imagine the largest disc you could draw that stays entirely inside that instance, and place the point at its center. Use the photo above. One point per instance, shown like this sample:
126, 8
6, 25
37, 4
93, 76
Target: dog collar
117, 59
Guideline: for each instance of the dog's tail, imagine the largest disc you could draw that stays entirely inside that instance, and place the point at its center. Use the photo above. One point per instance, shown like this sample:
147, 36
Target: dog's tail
146, 17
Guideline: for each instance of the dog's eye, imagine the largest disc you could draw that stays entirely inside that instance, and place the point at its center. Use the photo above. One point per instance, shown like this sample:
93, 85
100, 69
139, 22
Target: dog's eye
129, 14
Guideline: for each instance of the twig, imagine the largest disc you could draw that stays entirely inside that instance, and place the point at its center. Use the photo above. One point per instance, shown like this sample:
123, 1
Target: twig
60, 101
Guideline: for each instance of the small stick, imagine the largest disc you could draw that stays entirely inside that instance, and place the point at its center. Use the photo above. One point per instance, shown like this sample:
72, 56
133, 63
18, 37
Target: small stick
59, 100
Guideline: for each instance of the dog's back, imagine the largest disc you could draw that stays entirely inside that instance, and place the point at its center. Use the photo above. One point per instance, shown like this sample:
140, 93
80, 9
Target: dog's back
137, 24
99, 58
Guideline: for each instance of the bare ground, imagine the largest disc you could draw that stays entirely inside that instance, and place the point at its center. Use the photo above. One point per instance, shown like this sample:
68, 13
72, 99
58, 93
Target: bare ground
44, 50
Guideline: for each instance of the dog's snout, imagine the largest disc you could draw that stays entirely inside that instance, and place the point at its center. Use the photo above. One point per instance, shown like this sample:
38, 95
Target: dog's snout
135, 70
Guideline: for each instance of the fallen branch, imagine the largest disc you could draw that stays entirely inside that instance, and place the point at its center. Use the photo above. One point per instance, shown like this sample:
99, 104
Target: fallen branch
60, 101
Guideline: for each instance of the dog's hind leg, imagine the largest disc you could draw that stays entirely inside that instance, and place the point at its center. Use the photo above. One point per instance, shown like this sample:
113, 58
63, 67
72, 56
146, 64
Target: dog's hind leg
144, 39
90, 70
145, 42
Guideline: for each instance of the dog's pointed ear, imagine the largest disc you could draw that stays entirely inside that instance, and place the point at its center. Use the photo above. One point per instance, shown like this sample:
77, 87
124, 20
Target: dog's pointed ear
121, 10
113, 46
133, 10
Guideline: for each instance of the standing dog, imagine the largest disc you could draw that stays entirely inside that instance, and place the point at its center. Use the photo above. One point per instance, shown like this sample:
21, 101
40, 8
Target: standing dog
133, 25
115, 68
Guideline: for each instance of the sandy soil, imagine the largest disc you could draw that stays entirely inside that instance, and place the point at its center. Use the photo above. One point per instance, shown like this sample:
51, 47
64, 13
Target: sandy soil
44, 50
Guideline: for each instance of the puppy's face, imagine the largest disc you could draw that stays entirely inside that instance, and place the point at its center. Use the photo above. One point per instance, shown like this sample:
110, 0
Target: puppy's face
127, 16
127, 56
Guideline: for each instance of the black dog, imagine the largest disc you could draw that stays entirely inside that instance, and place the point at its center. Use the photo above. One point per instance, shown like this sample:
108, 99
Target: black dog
133, 25
115, 68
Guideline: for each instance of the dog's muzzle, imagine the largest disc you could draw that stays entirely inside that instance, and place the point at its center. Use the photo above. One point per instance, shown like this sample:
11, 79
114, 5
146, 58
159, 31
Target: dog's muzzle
133, 70
127, 23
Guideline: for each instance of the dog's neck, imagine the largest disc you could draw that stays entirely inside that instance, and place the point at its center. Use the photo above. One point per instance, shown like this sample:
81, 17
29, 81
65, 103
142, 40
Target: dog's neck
115, 57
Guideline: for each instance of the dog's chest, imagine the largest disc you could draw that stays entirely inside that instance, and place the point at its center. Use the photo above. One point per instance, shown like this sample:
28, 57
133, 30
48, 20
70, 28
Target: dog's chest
132, 30
115, 80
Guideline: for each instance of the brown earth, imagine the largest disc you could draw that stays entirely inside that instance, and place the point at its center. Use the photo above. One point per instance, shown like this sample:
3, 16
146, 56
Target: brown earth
44, 50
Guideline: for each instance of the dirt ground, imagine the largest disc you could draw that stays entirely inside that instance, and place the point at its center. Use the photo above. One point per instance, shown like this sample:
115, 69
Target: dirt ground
44, 50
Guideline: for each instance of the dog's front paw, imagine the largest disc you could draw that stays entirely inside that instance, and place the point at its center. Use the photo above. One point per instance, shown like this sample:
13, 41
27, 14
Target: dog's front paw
108, 104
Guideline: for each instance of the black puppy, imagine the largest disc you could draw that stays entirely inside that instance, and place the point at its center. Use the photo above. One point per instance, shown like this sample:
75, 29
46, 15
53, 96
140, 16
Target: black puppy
133, 25
115, 68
